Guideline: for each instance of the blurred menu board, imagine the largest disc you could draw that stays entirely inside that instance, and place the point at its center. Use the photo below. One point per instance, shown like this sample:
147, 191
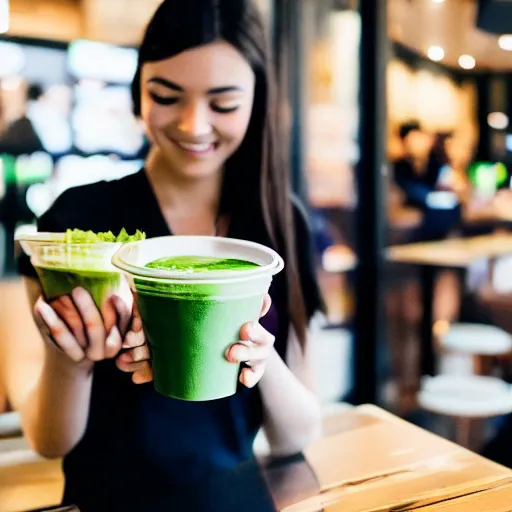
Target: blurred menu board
108, 63
102, 118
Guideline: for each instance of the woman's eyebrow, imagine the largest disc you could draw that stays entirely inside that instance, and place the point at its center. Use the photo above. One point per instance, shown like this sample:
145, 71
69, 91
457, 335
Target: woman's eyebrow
222, 90
166, 83
175, 87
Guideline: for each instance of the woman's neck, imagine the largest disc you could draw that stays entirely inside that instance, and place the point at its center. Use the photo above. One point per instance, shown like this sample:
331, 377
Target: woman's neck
182, 194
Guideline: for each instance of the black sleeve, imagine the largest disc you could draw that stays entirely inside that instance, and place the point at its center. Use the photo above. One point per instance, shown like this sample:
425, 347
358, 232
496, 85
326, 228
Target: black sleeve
53, 221
306, 260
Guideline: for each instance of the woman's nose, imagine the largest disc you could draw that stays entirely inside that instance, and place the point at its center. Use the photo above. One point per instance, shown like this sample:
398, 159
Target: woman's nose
195, 121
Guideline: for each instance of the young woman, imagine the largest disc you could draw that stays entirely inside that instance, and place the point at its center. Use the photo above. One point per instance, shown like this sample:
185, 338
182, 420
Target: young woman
205, 92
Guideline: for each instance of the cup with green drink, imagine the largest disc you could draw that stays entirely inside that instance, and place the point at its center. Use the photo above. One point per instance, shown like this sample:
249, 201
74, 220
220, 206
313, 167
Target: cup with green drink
194, 294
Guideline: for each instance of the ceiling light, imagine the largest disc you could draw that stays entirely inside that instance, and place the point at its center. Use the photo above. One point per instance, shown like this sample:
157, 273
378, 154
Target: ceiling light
498, 120
505, 42
467, 62
435, 53
438, 1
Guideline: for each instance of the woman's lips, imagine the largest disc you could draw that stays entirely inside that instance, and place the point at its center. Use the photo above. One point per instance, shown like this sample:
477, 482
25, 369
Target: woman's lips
197, 148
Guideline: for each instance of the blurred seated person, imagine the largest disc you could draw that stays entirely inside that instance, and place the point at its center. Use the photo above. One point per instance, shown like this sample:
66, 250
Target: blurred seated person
20, 137
416, 173
456, 155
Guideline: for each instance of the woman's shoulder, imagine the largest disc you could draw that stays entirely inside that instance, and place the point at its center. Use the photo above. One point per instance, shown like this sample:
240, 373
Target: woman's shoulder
86, 206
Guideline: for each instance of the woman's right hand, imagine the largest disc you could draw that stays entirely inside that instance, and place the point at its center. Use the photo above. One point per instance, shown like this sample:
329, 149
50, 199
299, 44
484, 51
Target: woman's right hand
73, 326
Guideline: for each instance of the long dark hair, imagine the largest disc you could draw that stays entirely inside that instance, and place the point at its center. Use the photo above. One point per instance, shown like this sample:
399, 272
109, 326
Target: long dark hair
256, 187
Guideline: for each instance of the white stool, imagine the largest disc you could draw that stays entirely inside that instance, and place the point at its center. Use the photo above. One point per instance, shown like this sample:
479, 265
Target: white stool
478, 342
476, 339
465, 398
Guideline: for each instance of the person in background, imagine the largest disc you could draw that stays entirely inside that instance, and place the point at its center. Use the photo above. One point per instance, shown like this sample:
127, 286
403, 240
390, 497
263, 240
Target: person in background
455, 159
205, 90
21, 137
416, 173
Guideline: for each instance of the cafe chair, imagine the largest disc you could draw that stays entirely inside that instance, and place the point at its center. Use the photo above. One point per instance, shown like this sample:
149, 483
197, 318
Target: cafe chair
480, 341
468, 399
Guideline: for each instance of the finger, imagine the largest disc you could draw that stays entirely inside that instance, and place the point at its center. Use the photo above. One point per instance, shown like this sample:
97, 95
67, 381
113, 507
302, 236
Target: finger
66, 310
59, 333
248, 353
134, 339
141, 353
130, 367
124, 313
109, 314
136, 354
143, 375
113, 343
93, 324
253, 331
267, 302
249, 377
136, 318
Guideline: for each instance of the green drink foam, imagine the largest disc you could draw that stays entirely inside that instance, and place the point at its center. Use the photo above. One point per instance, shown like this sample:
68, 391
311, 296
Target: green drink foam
200, 264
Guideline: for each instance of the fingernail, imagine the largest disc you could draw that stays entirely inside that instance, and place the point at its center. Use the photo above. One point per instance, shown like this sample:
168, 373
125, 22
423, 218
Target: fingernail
76, 292
249, 379
46, 311
111, 338
231, 355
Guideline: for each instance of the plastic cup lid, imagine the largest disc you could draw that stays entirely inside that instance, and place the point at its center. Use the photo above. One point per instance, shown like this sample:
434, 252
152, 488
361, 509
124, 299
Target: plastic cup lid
132, 258
41, 236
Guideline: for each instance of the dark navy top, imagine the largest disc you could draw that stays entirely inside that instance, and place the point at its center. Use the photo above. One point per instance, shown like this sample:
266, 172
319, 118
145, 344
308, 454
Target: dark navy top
138, 442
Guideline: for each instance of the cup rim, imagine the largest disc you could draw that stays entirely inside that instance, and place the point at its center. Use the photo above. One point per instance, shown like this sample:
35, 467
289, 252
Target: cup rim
272, 268
46, 239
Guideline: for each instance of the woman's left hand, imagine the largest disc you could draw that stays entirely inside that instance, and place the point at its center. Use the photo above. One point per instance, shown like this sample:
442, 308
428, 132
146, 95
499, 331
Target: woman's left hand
254, 349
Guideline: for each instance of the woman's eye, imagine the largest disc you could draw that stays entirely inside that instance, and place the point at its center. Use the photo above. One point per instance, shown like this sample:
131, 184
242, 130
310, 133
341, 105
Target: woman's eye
161, 100
224, 109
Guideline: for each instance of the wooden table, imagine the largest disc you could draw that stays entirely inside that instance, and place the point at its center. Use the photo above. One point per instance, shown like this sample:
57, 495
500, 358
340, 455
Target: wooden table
454, 253
371, 461
378, 462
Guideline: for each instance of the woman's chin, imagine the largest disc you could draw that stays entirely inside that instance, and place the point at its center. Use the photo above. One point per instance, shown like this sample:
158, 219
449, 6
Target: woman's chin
194, 172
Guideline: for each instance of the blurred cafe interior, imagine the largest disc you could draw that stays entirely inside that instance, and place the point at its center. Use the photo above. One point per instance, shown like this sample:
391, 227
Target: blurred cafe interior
401, 148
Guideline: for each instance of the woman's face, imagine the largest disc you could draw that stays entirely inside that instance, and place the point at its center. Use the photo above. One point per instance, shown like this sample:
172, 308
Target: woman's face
197, 106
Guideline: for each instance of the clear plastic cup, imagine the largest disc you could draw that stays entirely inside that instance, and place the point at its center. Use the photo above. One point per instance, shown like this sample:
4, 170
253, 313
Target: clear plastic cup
191, 319
62, 266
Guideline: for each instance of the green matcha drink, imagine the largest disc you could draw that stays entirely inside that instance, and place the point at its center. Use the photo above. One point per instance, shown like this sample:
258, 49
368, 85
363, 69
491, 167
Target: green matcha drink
193, 307
189, 359
64, 261
57, 282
